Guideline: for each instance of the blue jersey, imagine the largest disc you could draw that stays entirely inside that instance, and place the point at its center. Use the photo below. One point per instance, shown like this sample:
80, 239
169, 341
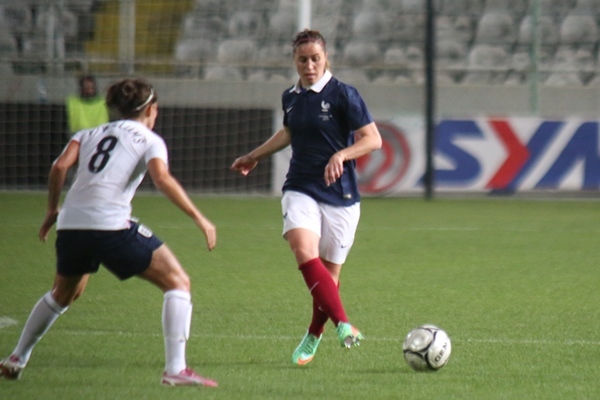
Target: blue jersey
322, 121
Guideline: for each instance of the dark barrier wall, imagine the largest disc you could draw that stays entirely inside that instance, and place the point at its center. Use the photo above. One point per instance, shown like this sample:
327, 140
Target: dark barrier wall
202, 145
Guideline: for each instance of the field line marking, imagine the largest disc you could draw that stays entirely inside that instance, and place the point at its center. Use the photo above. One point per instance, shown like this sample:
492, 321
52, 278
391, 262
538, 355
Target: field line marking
536, 342
5, 322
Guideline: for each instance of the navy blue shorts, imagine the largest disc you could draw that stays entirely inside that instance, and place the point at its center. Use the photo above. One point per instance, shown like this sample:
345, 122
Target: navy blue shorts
125, 253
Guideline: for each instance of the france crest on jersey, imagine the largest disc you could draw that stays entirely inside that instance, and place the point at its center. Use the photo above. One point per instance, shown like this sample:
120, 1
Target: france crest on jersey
322, 121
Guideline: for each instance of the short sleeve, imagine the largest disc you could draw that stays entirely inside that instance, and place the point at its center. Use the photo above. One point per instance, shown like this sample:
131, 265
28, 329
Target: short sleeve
358, 114
78, 136
157, 149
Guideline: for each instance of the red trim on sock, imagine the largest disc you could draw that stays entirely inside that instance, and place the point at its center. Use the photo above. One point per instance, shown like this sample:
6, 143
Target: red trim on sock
323, 290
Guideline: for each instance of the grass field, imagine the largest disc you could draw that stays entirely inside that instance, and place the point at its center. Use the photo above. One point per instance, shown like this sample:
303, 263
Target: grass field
515, 283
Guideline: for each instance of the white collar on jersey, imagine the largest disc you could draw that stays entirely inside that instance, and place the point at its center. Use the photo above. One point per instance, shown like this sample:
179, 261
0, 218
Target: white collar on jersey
317, 87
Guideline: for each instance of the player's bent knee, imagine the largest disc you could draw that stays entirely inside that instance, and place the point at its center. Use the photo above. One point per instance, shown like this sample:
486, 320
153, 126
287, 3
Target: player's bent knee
167, 276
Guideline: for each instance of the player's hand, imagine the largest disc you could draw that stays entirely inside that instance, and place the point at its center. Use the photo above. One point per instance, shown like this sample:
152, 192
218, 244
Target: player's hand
49, 221
244, 165
210, 232
334, 168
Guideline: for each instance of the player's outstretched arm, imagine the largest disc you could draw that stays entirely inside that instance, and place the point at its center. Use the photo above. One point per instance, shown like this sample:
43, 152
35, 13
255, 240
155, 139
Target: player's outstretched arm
56, 181
170, 187
278, 141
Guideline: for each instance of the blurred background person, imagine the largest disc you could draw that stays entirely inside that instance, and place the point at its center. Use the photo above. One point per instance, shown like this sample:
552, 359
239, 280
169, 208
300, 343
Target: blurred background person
86, 109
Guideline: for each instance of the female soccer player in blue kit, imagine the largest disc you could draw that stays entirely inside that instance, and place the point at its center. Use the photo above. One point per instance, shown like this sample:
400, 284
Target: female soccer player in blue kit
95, 226
328, 126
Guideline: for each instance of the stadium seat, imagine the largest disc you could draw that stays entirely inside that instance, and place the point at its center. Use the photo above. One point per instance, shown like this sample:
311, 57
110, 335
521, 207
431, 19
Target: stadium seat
327, 24
375, 5
259, 75
496, 28
17, 17
394, 7
190, 51
464, 26
361, 53
595, 80
487, 64
287, 5
8, 45
66, 22
547, 31
195, 49
556, 7
564, 79
326, 7
246, 24
454, 28
373, 25
571, 66
80, 6
520, 65
222, 73
444, 78
412, 6
515, 7
395, 56
352, 76
407, 63
590, 6
408, 29
241, 51
460, 7
579, 30
6, 69
216, 8
274, 54
326, 17
451, 58
260, 6
34, 47
197, 25
385, 78
269, 75
282, 25
414, 56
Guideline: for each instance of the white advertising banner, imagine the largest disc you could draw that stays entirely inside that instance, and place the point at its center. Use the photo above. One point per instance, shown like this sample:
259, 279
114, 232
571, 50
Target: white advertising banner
479, 155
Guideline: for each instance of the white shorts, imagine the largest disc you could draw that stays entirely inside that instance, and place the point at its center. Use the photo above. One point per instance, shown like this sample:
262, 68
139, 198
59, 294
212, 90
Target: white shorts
336, 226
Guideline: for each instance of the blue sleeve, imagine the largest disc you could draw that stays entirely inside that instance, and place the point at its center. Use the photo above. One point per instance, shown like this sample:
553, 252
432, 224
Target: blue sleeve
358, 114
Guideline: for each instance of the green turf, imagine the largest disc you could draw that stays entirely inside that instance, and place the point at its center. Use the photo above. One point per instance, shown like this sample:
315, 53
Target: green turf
514, 283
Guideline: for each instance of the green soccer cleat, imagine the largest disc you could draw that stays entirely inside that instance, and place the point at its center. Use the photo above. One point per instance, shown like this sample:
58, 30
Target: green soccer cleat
306, 350
348, 335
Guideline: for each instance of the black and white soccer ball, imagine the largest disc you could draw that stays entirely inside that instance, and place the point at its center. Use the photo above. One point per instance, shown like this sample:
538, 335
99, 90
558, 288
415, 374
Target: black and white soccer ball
427, 348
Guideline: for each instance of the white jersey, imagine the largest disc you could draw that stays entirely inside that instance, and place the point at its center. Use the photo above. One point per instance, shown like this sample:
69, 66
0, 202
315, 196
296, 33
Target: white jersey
112, 164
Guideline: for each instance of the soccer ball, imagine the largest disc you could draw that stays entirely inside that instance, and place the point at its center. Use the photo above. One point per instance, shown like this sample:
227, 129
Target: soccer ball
427, 348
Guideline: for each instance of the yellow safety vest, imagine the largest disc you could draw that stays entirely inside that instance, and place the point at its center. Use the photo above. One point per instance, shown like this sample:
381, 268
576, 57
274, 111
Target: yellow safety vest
83, 114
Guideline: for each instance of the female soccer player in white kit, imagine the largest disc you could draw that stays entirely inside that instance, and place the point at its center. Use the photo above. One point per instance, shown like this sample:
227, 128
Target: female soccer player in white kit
95, 226
321, 202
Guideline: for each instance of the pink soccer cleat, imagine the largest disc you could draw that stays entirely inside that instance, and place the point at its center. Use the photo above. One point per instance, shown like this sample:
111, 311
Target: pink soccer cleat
11, 368
187, 377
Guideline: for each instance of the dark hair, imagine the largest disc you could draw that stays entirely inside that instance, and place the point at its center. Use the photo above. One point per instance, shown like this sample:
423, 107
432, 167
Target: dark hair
86, 78
130, 96
307, 36
86, 91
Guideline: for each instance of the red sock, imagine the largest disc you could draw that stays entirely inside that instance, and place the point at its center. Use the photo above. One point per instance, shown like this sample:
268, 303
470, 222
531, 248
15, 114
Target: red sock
323, 289
319, 318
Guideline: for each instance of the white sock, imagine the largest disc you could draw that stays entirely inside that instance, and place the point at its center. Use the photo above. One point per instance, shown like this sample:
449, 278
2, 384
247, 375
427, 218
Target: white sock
41, 318
176, 321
